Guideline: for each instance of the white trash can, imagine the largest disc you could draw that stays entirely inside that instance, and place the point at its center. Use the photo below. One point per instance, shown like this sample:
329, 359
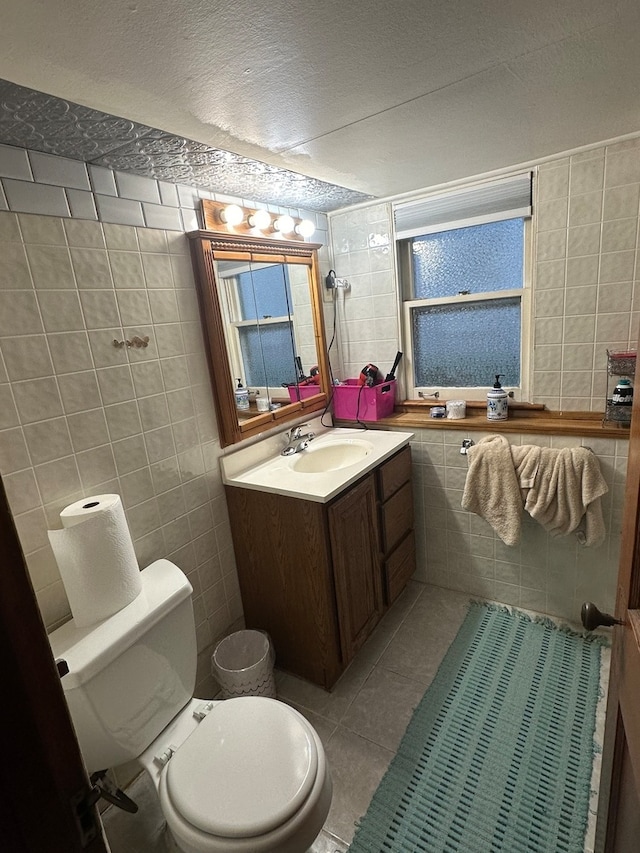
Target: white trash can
242, 663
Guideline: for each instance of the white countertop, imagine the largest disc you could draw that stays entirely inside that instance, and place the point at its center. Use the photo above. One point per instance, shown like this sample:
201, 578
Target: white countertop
262, 467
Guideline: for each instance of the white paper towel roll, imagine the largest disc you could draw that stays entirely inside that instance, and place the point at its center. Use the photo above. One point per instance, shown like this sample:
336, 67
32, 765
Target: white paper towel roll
95, 555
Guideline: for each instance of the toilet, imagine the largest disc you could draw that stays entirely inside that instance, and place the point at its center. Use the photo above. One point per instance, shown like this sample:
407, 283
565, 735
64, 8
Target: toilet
243, 775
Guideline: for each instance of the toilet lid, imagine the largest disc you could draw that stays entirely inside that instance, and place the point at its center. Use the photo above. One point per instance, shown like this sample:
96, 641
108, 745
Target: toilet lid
246, 769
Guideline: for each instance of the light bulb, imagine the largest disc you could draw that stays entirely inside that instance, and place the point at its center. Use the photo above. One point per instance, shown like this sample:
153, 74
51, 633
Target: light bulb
284, 224
261, 220
232, 214
305, 228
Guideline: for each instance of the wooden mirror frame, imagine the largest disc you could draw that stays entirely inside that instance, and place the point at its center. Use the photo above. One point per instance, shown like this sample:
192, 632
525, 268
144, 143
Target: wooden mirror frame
204, 245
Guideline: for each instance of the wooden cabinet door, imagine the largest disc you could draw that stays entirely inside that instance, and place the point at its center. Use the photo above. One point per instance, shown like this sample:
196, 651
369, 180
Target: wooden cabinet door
356, 564
283, 557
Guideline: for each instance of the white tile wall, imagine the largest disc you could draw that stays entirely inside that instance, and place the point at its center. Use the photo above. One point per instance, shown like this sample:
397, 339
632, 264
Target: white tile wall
103, 180
459, 550
586, 299
586, 281
119, 210
35, 198
135, 187
362, 244
59, 171
79, 417
82, 204
586, 276
89, 256
14, 163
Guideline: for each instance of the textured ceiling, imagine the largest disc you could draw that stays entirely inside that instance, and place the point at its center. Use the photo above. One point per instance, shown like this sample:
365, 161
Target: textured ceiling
376, 97
30, 119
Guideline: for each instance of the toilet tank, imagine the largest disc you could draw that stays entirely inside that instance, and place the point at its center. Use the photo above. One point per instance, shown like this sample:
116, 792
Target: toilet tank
130, 674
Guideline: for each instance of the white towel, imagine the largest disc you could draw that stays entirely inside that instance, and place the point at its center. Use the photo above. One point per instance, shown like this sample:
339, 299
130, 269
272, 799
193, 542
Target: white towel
491, 489
558, 488
566, 488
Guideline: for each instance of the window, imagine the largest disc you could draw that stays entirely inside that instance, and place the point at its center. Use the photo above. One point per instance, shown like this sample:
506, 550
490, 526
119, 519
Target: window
463, 270
259, 309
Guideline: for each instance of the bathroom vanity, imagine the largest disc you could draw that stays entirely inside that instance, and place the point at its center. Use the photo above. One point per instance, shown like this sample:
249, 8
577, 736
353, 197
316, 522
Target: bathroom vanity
321, 560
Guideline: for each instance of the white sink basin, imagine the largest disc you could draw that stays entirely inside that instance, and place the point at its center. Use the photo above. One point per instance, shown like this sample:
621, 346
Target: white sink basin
333, 460
330, 456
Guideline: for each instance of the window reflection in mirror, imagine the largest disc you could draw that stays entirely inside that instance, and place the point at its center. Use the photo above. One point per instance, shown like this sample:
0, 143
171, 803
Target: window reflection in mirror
267, 313
262, 318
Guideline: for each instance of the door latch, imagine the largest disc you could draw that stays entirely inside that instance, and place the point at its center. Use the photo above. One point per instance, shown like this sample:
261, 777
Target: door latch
84, 813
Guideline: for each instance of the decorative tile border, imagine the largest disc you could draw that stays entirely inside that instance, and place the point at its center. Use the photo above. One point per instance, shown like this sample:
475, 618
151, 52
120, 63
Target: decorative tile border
31, 182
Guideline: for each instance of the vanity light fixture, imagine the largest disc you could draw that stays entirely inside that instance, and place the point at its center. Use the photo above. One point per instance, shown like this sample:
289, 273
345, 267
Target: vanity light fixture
221, 217
232, 214
305, 228
261, 219
284, 224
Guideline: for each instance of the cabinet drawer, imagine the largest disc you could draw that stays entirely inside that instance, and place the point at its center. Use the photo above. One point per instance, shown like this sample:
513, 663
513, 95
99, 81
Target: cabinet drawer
394, 472
399, 567
396, 517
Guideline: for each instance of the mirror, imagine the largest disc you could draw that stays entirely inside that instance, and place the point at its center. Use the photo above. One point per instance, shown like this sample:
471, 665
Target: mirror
269, 332
262, 317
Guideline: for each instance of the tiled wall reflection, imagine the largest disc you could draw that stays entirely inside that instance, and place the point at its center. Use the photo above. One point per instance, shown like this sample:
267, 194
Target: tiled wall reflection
80, 417
366, 314
459, 550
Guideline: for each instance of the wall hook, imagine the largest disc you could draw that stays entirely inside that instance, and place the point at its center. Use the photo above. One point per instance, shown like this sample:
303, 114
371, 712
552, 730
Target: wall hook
138, 342
135, 341
466, 444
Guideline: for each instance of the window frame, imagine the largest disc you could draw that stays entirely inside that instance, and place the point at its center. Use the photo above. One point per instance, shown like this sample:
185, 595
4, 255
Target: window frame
408, 303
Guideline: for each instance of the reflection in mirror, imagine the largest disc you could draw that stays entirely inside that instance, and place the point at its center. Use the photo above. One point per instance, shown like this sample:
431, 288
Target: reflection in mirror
268, 323
262, 318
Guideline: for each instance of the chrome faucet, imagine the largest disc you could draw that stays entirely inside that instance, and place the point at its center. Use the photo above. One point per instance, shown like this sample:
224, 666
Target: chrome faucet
297, 440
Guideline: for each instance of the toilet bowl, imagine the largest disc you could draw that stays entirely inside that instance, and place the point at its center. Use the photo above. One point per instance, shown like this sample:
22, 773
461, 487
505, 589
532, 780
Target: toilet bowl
241, 775
251, 778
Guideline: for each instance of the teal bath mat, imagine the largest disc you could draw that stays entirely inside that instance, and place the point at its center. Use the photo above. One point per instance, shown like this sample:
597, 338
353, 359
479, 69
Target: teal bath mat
498, 754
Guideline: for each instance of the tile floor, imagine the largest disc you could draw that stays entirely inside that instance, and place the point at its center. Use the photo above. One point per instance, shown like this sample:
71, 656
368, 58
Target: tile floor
360, 722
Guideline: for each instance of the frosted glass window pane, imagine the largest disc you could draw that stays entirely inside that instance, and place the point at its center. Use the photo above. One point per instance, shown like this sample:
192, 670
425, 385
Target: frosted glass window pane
480, 258
264, 293
267, 354
467, 344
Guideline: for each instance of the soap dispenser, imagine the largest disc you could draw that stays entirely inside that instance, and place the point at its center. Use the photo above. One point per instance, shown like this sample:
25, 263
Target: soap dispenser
242, 396
497, 401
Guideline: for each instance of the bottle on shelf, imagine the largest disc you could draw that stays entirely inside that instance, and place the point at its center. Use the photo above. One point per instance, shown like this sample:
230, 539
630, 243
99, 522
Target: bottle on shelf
242, 396
623, 393
497, 401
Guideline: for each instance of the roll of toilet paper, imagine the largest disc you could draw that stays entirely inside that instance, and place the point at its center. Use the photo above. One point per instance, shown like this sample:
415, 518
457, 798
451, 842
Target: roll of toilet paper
94, 552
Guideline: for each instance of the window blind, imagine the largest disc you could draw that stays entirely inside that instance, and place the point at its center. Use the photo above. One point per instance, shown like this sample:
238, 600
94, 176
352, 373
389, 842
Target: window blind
504, 198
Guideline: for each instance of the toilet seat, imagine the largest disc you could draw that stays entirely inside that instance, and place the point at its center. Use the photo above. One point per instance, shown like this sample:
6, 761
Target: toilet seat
247, 768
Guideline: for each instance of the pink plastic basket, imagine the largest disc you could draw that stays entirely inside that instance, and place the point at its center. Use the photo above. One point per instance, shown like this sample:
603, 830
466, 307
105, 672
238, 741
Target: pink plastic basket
353, 402
304, 391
